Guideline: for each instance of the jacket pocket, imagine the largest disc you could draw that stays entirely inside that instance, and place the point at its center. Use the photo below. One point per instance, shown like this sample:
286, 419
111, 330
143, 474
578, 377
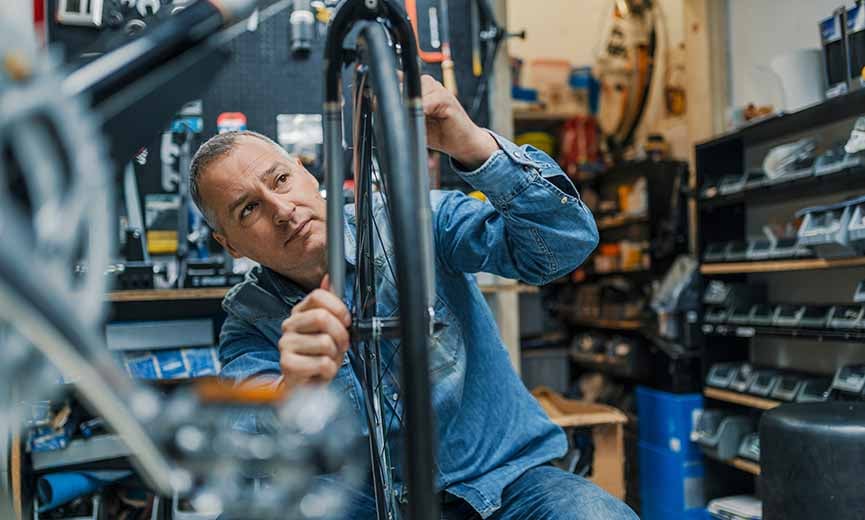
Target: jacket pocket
445, 340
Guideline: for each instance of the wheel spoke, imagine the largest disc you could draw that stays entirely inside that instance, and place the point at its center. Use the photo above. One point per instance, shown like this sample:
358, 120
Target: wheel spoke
383, 193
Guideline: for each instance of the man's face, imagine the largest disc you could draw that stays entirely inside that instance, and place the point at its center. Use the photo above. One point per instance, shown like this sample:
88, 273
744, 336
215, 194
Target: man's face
268, 208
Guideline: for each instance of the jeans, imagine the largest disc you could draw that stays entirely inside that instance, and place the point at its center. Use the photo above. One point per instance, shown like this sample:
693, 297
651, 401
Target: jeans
541, 493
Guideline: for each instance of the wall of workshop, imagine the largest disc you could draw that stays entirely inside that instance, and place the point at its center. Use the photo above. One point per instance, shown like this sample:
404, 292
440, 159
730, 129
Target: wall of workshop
570, 30
759, 31
17, 18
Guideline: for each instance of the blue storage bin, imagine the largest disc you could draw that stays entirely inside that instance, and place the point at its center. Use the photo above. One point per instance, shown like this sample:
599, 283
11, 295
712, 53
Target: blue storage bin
669, 481
660, 514
666, 420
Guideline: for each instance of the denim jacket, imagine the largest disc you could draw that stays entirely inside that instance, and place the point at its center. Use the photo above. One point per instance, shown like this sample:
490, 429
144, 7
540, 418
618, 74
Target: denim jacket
534, 228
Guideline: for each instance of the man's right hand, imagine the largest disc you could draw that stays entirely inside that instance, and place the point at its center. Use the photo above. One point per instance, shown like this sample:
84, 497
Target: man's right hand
314, 338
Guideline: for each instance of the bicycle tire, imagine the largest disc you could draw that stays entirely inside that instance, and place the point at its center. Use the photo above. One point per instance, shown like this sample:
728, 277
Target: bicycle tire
401, 145
367, 361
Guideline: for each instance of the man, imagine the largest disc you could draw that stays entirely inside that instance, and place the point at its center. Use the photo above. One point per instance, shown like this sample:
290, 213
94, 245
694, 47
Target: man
285, 327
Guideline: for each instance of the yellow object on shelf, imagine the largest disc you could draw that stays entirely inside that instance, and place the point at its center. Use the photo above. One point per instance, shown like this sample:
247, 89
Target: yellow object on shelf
543, 141
162, 242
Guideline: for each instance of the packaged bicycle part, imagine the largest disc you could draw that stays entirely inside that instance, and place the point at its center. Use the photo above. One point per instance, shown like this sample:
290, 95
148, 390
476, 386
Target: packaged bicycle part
588, 343
824, 229
737, 507
716, 315
762, 314
731, 184
717, 292
849, 381
729, 294
791, 160
749, 448
788, 315
846, 316
814, 390
722, 374
740, 314
720, 434
744, 378
859, 295
764, 382
760, 249
736, 252
787, 388
815, 316
715, 252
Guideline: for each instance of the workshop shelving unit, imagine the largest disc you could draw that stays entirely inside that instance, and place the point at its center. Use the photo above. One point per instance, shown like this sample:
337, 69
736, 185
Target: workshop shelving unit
643, 361
737, 216
659, 176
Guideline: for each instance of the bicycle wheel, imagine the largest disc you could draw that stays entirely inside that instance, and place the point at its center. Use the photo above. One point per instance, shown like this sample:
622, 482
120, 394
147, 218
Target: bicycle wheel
388, 143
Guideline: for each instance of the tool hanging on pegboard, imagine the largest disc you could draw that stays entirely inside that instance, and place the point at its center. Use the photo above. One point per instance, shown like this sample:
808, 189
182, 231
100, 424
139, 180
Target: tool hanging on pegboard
439, 38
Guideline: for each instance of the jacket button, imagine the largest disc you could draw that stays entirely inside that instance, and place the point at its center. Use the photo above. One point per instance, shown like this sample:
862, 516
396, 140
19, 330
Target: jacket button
564, 200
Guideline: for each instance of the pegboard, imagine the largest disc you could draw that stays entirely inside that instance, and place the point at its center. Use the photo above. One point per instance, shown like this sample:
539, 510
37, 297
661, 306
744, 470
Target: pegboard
263, 79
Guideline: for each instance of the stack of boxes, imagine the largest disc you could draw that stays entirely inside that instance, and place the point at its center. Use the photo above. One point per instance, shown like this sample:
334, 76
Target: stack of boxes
671, 465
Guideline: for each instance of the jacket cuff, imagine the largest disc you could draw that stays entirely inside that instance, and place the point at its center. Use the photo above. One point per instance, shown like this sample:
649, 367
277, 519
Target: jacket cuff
511, 169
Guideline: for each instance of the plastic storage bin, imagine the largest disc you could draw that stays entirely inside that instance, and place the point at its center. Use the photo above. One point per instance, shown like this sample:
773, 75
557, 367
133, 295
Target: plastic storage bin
814, 390
668, 482
666, 420
856, 229
662, 514
737, 251
764, 382
720, 434
715, 252
179, 514
824, 229
787, 388
743, 379
789, 247
728, 294
749, 448
722, 374
787, 315
846, 316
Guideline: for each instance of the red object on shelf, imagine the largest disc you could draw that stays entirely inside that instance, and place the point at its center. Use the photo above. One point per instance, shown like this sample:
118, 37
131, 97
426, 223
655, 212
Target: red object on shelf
578, 143
230, 121
39, 20
38, 12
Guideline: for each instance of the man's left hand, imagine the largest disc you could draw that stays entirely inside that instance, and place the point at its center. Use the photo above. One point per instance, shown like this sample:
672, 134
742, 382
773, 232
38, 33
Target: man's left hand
449, 128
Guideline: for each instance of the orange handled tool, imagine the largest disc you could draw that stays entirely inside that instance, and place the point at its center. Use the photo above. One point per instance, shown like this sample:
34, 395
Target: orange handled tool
444, 57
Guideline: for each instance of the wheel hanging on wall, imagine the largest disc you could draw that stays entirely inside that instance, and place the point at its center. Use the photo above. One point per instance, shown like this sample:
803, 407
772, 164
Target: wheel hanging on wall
630, 57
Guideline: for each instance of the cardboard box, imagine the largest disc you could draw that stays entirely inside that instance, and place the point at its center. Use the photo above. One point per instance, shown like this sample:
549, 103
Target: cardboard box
607, 424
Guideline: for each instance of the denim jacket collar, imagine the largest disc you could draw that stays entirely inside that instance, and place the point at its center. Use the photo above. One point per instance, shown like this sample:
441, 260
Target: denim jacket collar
265, 293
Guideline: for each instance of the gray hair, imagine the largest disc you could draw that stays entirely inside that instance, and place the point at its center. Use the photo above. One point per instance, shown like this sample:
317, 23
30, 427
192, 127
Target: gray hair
215, 148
